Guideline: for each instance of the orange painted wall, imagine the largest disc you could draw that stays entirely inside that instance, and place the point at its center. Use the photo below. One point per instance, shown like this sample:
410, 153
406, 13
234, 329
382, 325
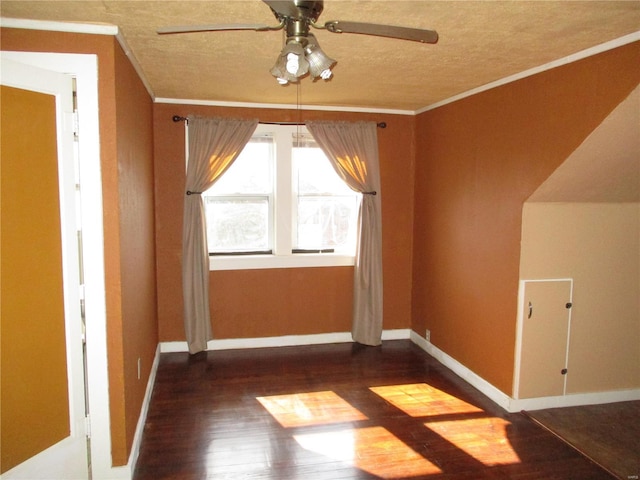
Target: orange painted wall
134, 130
127, 177
478, 160
275, 302
34, 390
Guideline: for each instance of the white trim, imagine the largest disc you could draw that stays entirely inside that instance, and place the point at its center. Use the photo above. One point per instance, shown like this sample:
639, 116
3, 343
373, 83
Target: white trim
134, 62
88, 28
54, 83
514, 405
60, 86
113, 30
284, 341
282, 218
496, 395
618, 42
69, 27
519, 328
281, 215
142, 418
283, 106
396, 334
294, 260
575, 400
60, 461
85, 69
518, 346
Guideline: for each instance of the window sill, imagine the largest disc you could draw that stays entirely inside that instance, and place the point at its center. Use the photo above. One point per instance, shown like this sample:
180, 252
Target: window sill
255, 262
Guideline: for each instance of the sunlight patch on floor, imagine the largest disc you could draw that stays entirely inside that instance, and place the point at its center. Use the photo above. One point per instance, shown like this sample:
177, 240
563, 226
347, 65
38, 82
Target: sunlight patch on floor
307, 409
374, 450
422, 400
485, 439
239, 456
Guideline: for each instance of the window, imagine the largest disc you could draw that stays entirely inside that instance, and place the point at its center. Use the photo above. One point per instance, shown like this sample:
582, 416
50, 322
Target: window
239, 207
281, 204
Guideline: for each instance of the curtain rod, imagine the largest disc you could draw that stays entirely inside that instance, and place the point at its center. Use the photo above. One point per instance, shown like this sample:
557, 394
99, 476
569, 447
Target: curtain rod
178, 118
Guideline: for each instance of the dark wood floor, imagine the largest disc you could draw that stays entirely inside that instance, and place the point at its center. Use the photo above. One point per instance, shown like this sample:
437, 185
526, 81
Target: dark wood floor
608, 434
340, 411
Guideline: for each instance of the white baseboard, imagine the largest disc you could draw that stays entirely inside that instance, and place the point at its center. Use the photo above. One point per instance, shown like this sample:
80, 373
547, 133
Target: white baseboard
517, 405
142, 419
493, 393
60, 461
496, 395
575, 400
284, 341
398, 334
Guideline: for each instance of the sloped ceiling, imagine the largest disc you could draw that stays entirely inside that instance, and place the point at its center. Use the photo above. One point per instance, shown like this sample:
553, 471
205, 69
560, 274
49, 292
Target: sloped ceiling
480, 42
606, 166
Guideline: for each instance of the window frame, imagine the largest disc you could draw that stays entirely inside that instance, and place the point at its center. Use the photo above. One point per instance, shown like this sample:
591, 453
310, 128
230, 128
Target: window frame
284, 199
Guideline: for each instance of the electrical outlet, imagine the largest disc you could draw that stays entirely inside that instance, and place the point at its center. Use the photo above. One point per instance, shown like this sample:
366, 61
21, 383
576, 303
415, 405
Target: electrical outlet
427, 335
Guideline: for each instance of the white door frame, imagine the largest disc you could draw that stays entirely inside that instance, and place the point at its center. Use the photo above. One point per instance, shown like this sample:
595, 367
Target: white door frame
85, 69
59, 86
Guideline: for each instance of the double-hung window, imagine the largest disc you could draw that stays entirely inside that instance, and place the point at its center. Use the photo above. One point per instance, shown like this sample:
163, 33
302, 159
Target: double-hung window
281, 204
239, 206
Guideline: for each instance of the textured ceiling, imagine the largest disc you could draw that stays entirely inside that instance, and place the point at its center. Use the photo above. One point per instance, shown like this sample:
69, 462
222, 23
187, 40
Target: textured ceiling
480, 42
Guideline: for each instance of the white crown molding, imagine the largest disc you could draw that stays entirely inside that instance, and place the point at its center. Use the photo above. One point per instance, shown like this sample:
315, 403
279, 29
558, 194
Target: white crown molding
136, 65
68, 27
618, 42
88, 28
100, 29
283, 106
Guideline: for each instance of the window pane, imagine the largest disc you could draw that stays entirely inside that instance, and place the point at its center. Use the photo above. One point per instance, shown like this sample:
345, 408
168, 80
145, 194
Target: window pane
250, 173
315, 173
326, 222
326, 206
237, 225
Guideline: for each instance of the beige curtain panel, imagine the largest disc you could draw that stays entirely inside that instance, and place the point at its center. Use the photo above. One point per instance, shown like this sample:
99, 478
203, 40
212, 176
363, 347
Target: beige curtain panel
214, 144
352, 149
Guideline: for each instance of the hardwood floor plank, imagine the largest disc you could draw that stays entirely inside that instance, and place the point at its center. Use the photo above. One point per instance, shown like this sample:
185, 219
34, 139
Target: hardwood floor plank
340, 411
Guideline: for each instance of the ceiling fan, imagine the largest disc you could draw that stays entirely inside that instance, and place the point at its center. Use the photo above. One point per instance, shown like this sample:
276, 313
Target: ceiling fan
301, 53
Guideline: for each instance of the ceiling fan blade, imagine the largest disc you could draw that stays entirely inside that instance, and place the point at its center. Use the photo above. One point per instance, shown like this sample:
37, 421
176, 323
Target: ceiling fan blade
403, 33
213, 28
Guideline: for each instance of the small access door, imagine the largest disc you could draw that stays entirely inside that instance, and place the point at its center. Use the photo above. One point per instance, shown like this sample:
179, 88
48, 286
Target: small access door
543, 338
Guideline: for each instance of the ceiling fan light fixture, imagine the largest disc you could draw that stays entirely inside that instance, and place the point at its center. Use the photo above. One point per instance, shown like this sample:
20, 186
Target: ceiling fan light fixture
291, 64
320, 64
302, 54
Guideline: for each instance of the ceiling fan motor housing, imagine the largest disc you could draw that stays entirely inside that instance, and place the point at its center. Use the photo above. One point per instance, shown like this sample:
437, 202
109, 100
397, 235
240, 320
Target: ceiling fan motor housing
307, 10
296, 16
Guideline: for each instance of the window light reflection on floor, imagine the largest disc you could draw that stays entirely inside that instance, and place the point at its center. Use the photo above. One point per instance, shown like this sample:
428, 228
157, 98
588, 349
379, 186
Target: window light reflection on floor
462, 427
485, 439
422, 400
372, 449
307, 409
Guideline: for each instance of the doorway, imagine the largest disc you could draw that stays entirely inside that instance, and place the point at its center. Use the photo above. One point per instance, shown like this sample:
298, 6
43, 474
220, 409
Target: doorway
43, 391
84, 67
